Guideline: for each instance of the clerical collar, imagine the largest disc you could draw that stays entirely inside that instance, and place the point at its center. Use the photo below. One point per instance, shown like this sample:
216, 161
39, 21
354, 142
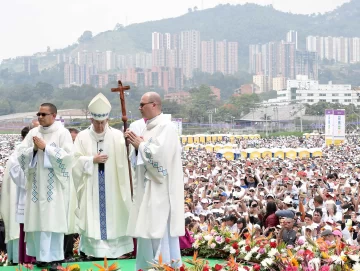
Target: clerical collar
154, 118
50, 129
98, 136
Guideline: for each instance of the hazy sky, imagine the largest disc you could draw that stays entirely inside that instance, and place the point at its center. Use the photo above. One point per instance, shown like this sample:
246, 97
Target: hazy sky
29, 26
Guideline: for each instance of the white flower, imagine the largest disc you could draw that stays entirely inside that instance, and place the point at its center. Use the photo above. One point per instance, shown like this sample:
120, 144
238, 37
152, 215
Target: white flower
354, 257
356, 267
208, 237
267, 262
248, 256
213, 245
227, 247
196, 245
241, 243
272, 252
152, 269
258, 256
243, 250
254, 249
315, 263
232, 250
336, 259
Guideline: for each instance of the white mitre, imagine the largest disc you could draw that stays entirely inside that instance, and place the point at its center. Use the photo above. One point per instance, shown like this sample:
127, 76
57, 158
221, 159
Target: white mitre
99, 107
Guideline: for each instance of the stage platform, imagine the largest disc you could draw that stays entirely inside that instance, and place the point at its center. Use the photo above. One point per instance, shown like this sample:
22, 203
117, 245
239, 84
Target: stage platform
125, 265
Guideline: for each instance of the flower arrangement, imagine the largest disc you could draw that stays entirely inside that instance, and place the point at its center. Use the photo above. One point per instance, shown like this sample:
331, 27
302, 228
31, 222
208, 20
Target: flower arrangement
3, 258
264, 253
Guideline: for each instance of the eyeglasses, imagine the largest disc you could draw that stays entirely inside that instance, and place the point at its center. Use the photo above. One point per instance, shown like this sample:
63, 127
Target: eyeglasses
43, 114
143, 104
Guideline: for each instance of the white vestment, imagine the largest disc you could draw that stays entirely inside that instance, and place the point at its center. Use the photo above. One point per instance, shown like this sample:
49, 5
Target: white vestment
157, 213
47, 199
8, 212
104, 196
138, 127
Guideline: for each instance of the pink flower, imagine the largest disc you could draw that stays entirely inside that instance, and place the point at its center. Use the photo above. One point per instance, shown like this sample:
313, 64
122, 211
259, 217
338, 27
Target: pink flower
300, 242
261, 250
325, 268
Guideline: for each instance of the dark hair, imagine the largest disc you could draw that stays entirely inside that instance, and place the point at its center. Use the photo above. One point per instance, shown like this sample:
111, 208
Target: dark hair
187, 221
318, 199
318, 210
73, 130
232, 218
25, 131
271, 208
243, 221
309, 216
52, 107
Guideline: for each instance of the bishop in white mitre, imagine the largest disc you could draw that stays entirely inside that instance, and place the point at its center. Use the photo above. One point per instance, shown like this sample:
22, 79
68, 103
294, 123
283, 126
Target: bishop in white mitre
101, 178
46, 156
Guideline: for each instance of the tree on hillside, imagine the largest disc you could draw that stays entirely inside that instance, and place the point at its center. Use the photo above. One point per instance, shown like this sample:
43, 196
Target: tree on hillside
119, 27
86, 36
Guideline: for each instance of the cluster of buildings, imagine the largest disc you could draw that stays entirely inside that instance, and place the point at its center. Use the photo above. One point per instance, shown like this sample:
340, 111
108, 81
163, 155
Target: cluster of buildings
185, 50
173, 59
278, 61
338, 49
309, 91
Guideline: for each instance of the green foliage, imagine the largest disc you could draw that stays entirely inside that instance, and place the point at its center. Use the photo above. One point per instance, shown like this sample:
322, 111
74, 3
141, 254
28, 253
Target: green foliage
272, 94
227, 83
86, 36
201, 100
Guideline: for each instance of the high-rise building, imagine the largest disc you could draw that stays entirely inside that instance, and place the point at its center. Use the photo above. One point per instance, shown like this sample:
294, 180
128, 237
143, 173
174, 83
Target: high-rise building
254, 54
286, 60
292, 37
340, 49
307, 64
262, 81
232, 57
221, 56
208, 56
190, 51
354, 50
279, 83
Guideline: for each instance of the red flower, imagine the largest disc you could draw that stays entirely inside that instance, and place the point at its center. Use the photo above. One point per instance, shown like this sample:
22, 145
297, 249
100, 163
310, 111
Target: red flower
206, 268
257, 267
273, 244
235, 245
246, 268
182, 268
227, 240
218, 267
247, 248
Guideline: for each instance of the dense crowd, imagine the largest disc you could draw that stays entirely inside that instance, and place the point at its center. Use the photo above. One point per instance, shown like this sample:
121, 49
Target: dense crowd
292, 199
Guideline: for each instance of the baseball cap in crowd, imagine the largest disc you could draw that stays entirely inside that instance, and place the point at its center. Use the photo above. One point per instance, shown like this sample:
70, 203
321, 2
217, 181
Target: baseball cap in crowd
288, 201
326, 233
337, 233
205, 201
270, 196
285, 213
223, 194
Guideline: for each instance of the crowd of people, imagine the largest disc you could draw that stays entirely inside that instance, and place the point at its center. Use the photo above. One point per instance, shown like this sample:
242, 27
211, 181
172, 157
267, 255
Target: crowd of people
292, 199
